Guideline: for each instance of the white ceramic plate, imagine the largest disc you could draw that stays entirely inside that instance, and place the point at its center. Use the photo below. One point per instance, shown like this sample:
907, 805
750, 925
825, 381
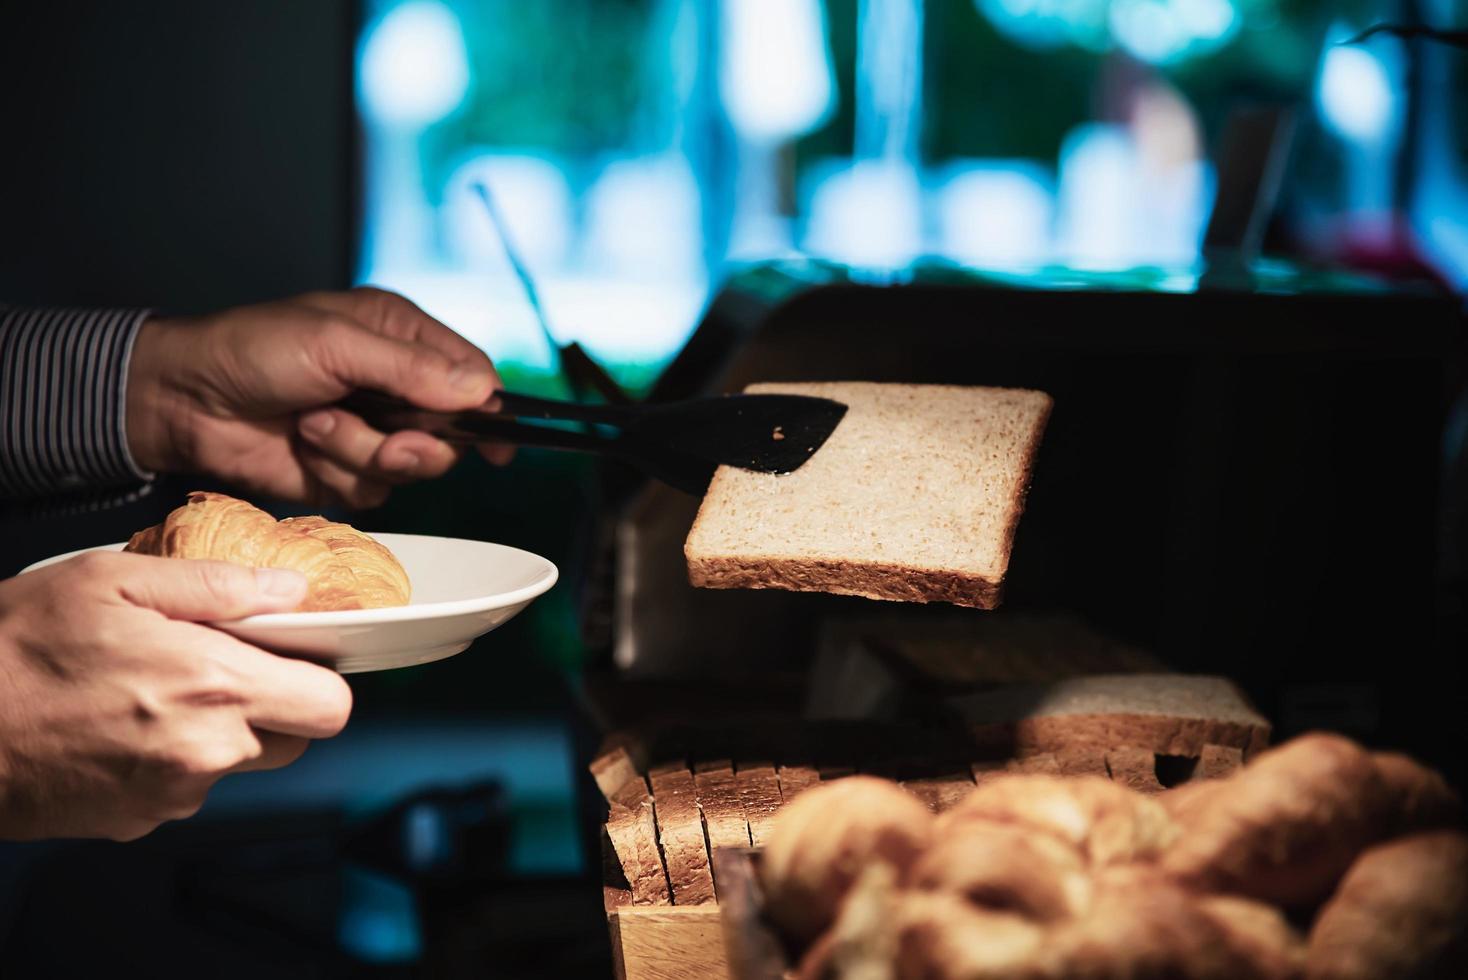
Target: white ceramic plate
461, 590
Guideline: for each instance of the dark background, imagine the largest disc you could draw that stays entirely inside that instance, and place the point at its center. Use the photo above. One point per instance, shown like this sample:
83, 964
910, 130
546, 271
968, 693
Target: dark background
184, 157
174, 154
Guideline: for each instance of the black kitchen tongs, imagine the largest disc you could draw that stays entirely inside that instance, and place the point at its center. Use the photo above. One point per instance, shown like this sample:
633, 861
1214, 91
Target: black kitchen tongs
679, 443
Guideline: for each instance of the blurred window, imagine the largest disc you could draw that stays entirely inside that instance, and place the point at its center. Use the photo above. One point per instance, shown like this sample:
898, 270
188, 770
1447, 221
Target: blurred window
640, 148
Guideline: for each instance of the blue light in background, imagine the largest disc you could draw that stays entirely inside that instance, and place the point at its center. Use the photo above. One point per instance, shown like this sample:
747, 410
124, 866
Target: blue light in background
997, 213
1359, 96
642, 220
775, 75
626, 242
889, 81
776, 83
413, 69
614, 239
1120, 207
1098, 224
1163, 31
426, 840
866, 214
1049, 23
379, 919
1154, 31
534, 199
868, 211
1439, 206
1354, 93
374, 764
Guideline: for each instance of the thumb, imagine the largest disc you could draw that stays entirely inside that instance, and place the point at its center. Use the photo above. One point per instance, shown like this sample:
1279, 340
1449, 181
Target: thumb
424, 376
206, 591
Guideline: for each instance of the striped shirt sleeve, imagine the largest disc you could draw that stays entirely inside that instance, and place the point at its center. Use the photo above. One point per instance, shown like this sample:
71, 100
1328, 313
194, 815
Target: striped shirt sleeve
63, 402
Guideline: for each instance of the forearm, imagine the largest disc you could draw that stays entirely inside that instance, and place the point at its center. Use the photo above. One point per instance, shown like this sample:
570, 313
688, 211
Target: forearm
63, 402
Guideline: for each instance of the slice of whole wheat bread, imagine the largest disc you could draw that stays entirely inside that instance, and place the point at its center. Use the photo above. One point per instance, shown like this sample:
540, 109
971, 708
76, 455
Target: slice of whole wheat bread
631, 826
1134, 767
1218, 761
717, 794
1168, 714
796, 779
915, 497
633, 834
618, 779
759, 791
680, 832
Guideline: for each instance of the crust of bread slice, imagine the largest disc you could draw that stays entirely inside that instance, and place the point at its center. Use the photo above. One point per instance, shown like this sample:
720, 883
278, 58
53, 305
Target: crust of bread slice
870, 580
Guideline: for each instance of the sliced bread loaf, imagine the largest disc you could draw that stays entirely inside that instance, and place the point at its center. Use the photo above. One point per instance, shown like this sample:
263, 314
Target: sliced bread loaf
1168, 714
915, 497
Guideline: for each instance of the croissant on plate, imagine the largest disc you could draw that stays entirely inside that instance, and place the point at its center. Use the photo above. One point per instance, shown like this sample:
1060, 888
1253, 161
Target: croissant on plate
344, 568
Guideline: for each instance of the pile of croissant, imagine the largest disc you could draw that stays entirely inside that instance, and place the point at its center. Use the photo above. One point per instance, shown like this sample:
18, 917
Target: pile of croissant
344, 568
1317, 860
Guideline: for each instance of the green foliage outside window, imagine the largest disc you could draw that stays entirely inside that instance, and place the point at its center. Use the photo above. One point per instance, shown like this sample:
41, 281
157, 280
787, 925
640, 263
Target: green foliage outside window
572, 78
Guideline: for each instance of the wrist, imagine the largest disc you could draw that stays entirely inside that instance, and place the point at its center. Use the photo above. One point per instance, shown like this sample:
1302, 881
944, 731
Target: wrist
157, 405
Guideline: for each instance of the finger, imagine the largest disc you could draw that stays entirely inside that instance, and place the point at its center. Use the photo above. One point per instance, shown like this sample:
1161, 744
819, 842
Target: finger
396, 316
285, 695
200, 591
415, 455
498, 453
335, 484
276, 752
358, 358
173, 782
353, 444
123, 829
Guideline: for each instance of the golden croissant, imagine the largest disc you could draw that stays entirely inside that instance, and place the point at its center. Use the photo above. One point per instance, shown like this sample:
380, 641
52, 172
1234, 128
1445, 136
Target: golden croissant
344, 568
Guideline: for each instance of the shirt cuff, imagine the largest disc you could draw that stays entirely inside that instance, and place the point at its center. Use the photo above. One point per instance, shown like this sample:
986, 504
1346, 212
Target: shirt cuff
63, 401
